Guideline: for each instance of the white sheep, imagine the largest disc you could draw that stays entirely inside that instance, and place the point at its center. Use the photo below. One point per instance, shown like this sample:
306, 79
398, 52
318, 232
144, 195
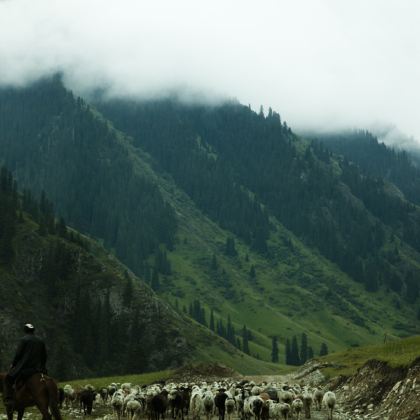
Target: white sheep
126, 388
285, 396
297, 406
196, 403
117, 403
329, 401
307, 403
230, 405
318, 395
273, 409
208, 404
284, 410
69, 395
132, 407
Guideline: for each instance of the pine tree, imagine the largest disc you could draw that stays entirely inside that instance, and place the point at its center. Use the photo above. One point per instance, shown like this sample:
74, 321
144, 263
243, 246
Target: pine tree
230, 331
294, 352
211, 326
245, 338
303, 357
221, 330
203, 317
274, 350
310, 353
323, 350
288, 355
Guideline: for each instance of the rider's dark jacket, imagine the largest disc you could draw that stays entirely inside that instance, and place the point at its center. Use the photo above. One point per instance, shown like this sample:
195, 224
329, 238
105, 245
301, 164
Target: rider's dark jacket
30, 357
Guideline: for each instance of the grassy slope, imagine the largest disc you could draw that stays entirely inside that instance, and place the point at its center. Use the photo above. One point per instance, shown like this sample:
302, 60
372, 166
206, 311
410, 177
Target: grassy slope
289, 295
205, 344
396, 353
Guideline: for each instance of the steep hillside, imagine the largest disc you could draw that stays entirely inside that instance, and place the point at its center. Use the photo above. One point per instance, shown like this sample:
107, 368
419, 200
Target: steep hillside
327, 202
220, 210
376, 159
52, 141
96, 316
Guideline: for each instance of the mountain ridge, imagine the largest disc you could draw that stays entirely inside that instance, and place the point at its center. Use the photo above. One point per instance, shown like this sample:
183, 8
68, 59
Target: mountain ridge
294, 288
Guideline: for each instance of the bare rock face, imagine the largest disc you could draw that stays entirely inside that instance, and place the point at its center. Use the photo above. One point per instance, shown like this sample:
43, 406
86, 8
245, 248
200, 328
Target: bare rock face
378, 391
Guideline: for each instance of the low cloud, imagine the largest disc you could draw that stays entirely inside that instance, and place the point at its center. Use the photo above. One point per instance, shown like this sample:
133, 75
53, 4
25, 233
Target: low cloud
320, 63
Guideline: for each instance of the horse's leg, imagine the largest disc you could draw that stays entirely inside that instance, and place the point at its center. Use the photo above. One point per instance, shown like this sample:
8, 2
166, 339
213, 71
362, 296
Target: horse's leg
44, 411
9, 412
20, 413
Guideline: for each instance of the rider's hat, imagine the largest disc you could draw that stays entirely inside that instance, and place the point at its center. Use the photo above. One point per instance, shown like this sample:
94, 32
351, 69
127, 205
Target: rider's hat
29, 328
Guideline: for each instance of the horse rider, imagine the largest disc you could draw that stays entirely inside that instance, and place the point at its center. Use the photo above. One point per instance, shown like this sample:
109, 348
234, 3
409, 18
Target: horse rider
30, 358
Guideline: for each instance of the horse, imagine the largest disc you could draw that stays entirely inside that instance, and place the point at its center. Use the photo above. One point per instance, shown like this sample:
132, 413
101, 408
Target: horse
38, 390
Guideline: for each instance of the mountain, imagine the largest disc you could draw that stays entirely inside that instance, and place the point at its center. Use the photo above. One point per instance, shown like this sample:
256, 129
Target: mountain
222, 210
373, 157
326, 201
95, 315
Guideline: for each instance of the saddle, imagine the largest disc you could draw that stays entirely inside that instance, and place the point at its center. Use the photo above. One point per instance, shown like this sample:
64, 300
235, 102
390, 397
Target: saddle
23, 378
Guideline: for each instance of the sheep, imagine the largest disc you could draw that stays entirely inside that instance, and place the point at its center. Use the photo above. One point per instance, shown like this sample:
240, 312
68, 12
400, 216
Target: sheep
285, 396
87, 396
297, 406
132, 407
284, 410
239, 399
159, 405
208, 404
230, 405
177, 403
103, 394
196, 403
117, 403
256, 390
329, 401
253, 407
307, 402
112, 388
69, 395
318, 395
126, 388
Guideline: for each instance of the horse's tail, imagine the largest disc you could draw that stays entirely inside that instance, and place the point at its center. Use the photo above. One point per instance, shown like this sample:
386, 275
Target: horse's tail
53, 399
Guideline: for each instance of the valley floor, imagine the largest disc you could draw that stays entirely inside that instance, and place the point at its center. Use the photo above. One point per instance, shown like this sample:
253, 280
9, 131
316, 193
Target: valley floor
105, 412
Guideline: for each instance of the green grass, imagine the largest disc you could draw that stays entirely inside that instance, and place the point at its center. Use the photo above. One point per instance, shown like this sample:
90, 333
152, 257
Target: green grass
396, 353
140, 379
241, 362
289, 297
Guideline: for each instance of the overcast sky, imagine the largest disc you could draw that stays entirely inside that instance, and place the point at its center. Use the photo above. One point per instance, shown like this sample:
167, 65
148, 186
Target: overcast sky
319, 63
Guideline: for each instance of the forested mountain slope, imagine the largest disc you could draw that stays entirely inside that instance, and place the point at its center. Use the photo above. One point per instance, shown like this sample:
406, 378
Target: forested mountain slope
376, 159
95, 315
52, 141
326, 201
223, 210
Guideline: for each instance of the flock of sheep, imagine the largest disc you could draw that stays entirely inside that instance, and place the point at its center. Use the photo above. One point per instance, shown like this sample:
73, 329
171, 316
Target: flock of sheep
243, 400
